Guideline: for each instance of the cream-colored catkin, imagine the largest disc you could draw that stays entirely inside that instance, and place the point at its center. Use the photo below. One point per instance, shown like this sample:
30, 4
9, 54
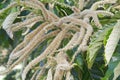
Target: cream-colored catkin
29, 37
81, 4
68, 74
28, 49
93, 14
61, 58
19, 25
80, 38
83, 45
32, 4
63, 65
51, 6
34, 75
23, 3
88, 14
40, 74
61, 61
19, 53
51, 61
36, 5
87, 36
24, 63
59, 23
117, 7
96, 4
51, 48
28, 28
49, 75
19, 46
75, 10
85, 12
14, 54
88, 32
43, 9
83, 24
30, 15
104, 13
71, 43
73, 20
95, 19
10, 60
58, 74
53, 16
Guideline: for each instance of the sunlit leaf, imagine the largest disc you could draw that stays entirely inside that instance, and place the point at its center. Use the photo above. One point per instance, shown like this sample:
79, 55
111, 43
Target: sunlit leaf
8, 22
112, 42
112, 65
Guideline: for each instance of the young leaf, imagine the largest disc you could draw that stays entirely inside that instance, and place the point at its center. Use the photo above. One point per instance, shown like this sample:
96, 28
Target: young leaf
8, 22
112, 65
112, 42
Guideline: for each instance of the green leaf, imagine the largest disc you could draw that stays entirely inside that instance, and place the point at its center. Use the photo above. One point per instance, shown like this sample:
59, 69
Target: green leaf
98, 68
107, 36
4, 12
95, 44
112, 42
79, 61
113, 19
8, 22
113, 63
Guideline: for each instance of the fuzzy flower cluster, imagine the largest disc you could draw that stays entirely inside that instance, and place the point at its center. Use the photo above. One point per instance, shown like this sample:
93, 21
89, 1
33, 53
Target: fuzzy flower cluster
76, 27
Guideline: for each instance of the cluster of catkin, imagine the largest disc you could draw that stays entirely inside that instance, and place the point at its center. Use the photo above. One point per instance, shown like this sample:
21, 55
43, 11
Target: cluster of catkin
58, 63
